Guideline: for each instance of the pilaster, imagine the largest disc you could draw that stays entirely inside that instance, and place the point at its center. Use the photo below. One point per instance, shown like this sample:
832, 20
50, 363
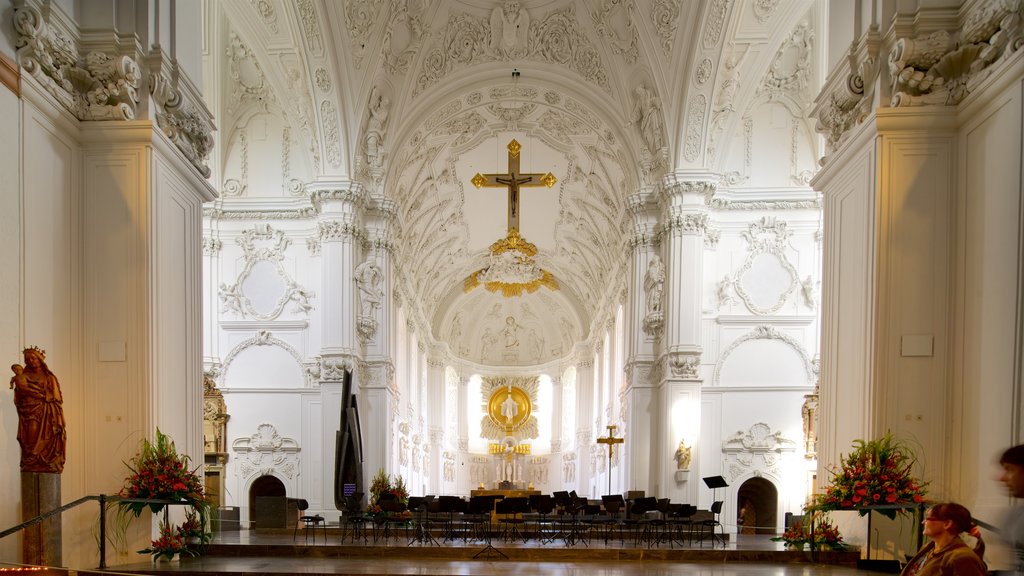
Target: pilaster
584, 416
340, 238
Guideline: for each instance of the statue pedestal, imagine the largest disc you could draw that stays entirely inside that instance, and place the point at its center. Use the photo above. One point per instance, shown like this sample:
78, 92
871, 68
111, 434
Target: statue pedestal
40, 493
682, 476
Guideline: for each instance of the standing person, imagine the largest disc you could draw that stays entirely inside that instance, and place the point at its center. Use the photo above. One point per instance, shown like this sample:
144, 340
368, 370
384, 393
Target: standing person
946, 553
1012, 476
41, 431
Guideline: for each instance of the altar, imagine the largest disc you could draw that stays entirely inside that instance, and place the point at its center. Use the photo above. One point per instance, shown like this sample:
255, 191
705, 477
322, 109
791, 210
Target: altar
504, 493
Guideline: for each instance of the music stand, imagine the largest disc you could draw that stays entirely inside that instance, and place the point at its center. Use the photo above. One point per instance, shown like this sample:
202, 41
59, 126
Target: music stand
484, 506
715, 482
420, 505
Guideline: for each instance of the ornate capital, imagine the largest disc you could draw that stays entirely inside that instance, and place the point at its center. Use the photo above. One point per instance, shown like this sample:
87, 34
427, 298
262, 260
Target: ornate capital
97, 87
337, 230
687, 223
685, 366
943, 67
675, 188
179, 110
353, 194
333, 367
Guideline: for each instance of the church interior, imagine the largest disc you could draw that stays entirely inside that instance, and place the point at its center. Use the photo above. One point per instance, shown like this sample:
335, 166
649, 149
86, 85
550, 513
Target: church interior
690, 249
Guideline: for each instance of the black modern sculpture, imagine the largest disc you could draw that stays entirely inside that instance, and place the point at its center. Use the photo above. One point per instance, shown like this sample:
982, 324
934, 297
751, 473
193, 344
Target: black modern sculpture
348, 451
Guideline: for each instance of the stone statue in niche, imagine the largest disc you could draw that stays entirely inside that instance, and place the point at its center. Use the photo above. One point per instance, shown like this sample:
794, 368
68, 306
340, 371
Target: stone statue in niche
509, 27
683, 456
369, 276
41, 429
654, 284
376, 127
647, 115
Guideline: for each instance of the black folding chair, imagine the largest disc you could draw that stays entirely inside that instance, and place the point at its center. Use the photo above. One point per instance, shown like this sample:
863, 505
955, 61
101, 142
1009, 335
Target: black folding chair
308, 523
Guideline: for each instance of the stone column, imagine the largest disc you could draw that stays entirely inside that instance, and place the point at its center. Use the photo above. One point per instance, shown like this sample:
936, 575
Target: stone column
585, 439
339, 237
40, 493
683, 201
642, 334
435, 419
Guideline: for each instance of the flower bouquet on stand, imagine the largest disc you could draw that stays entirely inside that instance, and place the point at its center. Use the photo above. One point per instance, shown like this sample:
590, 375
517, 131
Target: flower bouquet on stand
826, 536
159, 472
877, 473
169, 545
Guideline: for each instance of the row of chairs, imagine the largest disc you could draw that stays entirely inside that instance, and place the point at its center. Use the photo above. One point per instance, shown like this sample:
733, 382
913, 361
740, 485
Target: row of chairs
561, 516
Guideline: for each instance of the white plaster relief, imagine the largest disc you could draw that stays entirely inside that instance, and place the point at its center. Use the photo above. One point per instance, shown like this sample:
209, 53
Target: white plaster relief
714, 23
360, 16
329, 119
790, 69
755, 452
260, 338
180, 111
97, 87
266, 453
665, 14
765, 332
404, 36
943, 68
263, 244
703, 72
267, 13
696, 113
236, 187
606, 18
310, 24
556, 39
767, 240
763, 9
845, 103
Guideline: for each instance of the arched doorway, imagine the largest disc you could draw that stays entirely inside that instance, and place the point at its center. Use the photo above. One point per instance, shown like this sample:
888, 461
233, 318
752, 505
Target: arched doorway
266, 496
757, 503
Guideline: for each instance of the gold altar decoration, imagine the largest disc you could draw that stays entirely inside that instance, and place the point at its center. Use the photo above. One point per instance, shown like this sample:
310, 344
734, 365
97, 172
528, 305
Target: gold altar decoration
508, 406
511, 267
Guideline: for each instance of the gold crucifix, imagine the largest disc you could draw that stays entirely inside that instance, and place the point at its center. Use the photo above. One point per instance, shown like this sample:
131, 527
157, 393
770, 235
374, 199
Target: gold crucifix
513, 180
610, 441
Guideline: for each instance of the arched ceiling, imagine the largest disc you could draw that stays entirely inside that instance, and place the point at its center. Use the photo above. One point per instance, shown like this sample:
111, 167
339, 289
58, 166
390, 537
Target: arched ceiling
443, 70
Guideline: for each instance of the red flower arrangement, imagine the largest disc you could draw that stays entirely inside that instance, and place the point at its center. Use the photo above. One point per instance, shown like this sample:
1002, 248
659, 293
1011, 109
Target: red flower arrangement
160, 473
170, 542
877, 472
382, 485
826, 535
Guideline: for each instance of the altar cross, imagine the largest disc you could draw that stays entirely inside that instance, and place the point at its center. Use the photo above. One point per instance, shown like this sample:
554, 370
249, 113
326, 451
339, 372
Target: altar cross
513, 180
610, 441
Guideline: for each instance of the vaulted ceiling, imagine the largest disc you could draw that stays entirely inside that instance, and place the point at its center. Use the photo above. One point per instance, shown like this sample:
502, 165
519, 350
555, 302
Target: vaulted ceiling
442, 73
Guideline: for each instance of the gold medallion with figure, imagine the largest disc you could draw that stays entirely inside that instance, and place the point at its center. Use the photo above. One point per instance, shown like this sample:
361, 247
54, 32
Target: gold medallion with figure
509, 407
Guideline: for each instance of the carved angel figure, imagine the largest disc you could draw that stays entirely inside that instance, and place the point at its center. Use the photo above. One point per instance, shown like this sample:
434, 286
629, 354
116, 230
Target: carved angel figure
509, 26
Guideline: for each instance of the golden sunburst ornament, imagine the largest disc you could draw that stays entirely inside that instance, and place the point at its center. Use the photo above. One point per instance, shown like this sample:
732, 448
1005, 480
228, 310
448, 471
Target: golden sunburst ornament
511, 269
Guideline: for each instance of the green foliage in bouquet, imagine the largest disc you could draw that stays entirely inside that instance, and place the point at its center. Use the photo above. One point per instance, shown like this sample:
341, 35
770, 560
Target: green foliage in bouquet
826, 535
381, 485
158, 472
877, 472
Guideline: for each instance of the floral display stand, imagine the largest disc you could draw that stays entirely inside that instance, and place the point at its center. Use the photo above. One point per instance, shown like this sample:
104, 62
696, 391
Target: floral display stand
889, 510
876, 477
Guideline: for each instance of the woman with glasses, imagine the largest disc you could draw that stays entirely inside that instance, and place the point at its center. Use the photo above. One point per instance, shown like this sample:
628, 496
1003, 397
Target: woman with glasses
946, 554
